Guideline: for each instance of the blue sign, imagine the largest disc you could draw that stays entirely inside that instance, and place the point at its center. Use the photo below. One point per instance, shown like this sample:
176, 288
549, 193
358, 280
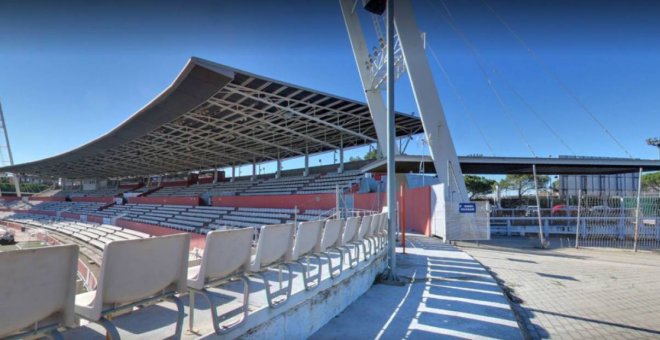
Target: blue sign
467, 208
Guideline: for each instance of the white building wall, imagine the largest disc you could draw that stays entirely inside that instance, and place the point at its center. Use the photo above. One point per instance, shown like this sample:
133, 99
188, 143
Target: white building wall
599, 185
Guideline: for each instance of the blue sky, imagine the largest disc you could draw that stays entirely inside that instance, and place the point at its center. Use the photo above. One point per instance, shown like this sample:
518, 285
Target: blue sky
71, 71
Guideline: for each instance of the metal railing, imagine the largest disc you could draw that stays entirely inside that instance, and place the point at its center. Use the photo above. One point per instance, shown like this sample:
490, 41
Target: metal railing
612, 222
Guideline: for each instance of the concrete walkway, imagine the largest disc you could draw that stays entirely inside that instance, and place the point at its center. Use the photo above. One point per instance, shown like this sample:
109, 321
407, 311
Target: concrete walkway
450, 295
568, 293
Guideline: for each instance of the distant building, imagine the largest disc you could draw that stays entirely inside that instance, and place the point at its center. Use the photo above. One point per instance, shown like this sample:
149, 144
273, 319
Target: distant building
599, 185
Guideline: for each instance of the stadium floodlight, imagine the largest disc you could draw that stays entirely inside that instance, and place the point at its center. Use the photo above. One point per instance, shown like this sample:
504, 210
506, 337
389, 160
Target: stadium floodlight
375, 6
654, 142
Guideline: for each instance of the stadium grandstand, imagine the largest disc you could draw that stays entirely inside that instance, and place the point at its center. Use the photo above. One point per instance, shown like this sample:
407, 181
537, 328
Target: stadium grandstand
154, 213
147, 169
156, 176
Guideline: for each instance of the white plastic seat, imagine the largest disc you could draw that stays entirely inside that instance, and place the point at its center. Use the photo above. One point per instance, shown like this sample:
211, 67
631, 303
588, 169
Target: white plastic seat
38, 288
371, 236
226, 257
348, 236
137, 272
272, 246
307, 241
381, 231
330, 242
365, 224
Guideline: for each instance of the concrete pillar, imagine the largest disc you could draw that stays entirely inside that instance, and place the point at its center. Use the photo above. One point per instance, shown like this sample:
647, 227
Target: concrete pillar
306, 172
279, 167
233, 172
254, 170
215, 175
17, 185
341, 157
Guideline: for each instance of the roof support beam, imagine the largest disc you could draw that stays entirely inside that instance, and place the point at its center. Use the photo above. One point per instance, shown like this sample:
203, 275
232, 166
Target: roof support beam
264, 99
243, 113
242, 135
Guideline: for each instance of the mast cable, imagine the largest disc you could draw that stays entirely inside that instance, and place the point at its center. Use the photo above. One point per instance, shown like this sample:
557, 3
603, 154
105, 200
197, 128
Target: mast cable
450, 21
556, 78
459, 97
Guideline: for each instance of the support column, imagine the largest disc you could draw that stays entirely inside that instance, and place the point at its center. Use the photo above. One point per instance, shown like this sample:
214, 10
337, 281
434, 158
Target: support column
279, 167
538, 209
233, 172
390, 276
17, 184
361, 54
637, 210
341, 157
306, 172
426, 95
254, 170
215, 174
3, 126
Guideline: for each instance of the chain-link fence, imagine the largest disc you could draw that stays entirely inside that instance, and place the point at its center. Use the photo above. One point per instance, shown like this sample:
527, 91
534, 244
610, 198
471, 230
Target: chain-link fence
618, 222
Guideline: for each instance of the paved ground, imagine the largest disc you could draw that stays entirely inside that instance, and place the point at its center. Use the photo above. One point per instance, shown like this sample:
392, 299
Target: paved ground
451, 296
577, 294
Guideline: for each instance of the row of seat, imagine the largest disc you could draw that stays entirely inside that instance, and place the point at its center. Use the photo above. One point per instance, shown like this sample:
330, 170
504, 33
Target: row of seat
273, 186
141, 272
97, 235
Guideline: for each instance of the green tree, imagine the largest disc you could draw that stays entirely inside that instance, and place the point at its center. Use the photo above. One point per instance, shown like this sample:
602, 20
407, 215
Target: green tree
651, 181
521, 184
372, 155
7, 185
478, 185
555, 185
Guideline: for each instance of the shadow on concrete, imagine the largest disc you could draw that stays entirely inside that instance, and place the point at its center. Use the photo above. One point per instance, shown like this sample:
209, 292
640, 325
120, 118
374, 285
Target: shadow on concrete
651, 332
559, 277
450, 295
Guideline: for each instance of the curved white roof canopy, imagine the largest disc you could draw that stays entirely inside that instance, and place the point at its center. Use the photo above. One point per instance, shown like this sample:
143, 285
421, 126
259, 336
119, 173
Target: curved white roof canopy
214, 116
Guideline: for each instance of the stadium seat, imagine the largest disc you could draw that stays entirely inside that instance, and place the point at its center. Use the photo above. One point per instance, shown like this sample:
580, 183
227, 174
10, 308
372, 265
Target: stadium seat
38, 288
272, 246
331, 235
226, 257
305, 244
359, 238
381, 231
137, 273
350, 231
370, 236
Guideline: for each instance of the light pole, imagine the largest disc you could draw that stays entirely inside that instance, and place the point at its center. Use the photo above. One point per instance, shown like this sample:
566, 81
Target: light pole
654, 142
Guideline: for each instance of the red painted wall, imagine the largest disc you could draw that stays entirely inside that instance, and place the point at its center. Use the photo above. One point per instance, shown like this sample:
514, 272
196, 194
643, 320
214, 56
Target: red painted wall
93, 199
417, 205
205, 180
196, 240
369, 201
67, 214
40, 212
95, 219
47, 198
9, 198
303, 202
181, 183
183, 200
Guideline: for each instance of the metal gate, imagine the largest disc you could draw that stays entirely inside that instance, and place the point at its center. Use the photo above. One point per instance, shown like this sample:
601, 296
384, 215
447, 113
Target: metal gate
618, 222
